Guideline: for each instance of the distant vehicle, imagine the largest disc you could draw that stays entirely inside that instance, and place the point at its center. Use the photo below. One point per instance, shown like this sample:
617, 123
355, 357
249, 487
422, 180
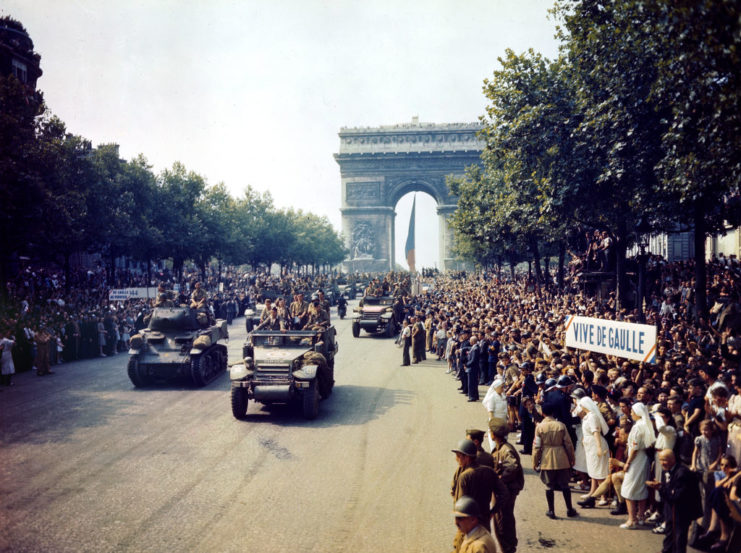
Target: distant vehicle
376, 316
178, 342
342, 306
285, 367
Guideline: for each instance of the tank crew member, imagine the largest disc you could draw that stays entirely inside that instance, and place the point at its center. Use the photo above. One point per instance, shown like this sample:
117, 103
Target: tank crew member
198, 298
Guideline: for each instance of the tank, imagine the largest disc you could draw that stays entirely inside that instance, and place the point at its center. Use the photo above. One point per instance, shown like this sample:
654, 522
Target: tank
178, 342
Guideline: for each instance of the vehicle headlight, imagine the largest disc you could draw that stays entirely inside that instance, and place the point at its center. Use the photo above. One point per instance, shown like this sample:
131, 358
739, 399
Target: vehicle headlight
249, 312
240, 372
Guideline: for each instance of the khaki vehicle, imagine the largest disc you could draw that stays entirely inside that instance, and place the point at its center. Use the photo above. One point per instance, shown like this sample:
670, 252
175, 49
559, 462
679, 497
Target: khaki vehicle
376, 316
178, 342
295, 366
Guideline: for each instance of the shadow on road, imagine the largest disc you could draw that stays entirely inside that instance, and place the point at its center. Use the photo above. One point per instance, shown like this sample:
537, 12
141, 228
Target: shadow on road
347, 406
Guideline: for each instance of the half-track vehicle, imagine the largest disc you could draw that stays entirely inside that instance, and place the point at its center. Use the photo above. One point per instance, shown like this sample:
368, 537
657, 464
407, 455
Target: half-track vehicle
294, 366
375, 315
178, 342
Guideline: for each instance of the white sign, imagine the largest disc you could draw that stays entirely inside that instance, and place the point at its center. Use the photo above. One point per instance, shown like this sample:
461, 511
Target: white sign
629, 340
123, 294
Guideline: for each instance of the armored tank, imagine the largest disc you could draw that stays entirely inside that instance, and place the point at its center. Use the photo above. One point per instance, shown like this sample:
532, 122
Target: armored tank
178, 342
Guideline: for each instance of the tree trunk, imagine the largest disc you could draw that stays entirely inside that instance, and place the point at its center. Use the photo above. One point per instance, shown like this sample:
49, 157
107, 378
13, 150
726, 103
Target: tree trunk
546, 271
536, 260
561, 262
701, 301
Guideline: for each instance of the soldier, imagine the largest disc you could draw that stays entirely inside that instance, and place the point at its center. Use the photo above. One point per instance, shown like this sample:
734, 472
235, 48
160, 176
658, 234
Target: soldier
318, 317
198, 298
272, 321
299, 311
471, 536
482, 457
323, 301
481, 483
509, 469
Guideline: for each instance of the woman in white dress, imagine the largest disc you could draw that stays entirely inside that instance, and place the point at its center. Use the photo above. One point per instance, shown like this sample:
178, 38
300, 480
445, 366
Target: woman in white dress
634, 490
6, 358
594, 427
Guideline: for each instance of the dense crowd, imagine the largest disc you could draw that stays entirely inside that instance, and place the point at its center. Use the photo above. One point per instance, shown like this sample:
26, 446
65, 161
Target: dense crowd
621, 419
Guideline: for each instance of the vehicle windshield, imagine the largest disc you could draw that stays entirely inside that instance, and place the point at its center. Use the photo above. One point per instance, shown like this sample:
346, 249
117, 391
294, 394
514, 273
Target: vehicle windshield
168, 319
378, 301
283, 340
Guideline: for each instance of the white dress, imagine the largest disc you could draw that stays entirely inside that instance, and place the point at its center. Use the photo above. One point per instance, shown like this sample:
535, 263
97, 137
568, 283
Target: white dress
580, 455
7, 359
598, 467
634, 483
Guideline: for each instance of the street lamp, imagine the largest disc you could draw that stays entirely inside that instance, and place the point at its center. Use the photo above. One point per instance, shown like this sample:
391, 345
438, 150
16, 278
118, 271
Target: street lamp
643, 230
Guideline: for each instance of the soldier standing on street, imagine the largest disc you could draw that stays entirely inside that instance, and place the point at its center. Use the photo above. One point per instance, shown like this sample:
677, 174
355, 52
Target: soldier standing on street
418, 340
482, 457
509, 469
481, 483
471, 536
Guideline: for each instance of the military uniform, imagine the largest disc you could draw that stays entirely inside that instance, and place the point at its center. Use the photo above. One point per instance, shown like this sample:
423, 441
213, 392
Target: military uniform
198, 298
298, 311
318, 318
509, 469
480, 483
479, 541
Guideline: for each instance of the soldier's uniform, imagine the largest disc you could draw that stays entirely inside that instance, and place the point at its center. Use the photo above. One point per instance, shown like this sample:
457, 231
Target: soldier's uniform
198, 298
298, 311
480, 483
509, 469
318, 318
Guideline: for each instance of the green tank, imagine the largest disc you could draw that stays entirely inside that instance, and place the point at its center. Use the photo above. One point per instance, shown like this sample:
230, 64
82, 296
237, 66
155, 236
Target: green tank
178, 342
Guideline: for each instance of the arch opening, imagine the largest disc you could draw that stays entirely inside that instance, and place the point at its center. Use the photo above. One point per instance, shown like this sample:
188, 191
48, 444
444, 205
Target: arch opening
427, 230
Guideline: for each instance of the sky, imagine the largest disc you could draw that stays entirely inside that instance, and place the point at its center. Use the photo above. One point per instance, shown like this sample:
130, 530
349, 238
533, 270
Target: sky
254, 92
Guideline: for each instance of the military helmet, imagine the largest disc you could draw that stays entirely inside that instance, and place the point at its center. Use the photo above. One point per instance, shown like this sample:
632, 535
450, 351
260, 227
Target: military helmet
564, 381
578, 393
466, 507
540, 379
466, 447
550, 383
499, 427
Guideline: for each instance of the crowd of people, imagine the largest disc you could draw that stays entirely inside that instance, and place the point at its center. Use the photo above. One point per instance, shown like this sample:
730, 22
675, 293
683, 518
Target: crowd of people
50, 319
636, 438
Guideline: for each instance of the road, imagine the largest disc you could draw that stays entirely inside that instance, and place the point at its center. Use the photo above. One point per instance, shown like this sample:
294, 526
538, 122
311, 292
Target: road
89, 463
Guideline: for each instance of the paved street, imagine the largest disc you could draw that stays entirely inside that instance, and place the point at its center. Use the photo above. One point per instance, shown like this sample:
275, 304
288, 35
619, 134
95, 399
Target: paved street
90, 463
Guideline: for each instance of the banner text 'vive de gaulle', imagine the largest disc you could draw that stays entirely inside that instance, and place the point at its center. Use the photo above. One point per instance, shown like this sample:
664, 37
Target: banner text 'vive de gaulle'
618, 338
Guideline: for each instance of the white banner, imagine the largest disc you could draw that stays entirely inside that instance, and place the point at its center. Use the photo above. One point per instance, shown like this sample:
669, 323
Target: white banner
629, 340
123, 294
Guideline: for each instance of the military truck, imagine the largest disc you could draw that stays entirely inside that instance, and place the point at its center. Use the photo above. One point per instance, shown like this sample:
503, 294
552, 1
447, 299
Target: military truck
295, 366
178, 342
375, 315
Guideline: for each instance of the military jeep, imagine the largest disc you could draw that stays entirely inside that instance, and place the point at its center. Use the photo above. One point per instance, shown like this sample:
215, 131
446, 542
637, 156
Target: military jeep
375, 315
179, 341
295, 366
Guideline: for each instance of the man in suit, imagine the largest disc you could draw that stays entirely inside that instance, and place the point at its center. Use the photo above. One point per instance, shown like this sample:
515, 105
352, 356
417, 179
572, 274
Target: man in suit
682, 504
680, 491
472, 370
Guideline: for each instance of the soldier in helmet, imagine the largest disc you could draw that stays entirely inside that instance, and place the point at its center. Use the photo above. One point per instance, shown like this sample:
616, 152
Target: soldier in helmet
318, 317
471, 536
477, 481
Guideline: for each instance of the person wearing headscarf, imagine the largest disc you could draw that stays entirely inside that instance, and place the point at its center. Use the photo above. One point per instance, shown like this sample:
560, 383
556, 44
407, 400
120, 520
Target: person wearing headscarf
593, 430
634, 490
495, 403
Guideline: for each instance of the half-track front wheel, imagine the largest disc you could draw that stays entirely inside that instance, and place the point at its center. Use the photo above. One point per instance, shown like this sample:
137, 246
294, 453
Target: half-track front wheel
311, 402
355, 330
239, 403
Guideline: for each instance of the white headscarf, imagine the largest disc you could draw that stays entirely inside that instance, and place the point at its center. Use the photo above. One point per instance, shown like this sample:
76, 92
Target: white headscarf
644, 426
588, 404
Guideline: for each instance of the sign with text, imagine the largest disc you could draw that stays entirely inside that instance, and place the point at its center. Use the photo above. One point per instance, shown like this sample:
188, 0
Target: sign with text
123, 294
629, 340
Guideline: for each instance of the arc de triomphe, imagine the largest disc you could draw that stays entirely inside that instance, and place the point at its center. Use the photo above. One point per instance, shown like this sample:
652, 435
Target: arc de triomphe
379, 165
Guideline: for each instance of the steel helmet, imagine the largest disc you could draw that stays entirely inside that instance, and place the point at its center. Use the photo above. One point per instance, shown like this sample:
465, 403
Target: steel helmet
578, 393
466, 507
466, 447
564, 381
540, 379
550, 383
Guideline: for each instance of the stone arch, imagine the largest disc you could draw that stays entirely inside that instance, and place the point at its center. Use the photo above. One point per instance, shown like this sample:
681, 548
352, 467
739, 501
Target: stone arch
379, 165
